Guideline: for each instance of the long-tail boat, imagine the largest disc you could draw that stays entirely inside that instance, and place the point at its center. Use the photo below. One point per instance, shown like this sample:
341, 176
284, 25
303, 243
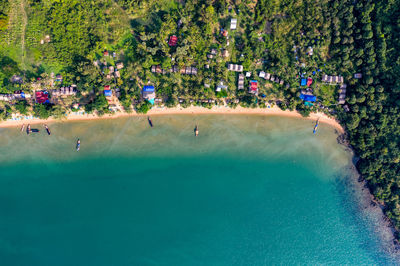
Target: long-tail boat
78, 145
316, 127
47, 129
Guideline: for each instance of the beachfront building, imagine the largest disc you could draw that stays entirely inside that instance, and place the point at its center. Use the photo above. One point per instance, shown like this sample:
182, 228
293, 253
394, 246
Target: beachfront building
20, 95
307, 96
235, 67
262, 74
107, 91
42, 97
149, 93
253, 87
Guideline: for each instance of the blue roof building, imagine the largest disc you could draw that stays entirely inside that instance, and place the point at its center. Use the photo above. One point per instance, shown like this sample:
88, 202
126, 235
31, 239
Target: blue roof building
149, 93
303, 82
308, 97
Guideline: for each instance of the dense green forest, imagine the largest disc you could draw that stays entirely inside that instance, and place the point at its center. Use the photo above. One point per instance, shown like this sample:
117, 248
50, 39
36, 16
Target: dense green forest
81, 40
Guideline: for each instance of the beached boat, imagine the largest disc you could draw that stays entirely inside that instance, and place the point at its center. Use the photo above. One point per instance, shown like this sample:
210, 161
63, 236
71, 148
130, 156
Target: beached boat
35, 130
47, 129
23, 127
78, 145
150, 122
196, 131
28, 129
315, 127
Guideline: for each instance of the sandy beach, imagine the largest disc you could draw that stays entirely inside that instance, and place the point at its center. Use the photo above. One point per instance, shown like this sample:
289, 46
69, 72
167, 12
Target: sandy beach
323, 118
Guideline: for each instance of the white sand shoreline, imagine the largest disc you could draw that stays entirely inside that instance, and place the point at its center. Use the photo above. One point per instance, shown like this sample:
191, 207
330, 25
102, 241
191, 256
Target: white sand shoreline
323, 118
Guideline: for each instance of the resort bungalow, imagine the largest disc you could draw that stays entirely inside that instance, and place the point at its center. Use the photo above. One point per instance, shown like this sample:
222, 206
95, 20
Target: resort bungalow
59, 78
120, 65
310, 50
212, 53
233, 24
241, 82
107, 91
64, 91
248, 74
148, 93
262, 74
225, 53
357, 75
253, 87
235, 67
173, 40
221, 86
342, 94
332, 79
303, 82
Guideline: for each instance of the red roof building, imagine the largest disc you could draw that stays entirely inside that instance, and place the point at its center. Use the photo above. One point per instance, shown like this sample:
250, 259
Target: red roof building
105, 53
42, 96
253, 86
173, 40
309, 82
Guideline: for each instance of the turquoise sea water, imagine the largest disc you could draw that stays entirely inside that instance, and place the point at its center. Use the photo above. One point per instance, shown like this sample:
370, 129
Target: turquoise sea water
250, 190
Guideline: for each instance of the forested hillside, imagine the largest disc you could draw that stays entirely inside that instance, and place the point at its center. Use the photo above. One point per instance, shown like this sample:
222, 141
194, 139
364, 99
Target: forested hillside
344, 53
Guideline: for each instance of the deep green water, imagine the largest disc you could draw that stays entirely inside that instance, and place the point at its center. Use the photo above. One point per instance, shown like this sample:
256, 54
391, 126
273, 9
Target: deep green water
250, 190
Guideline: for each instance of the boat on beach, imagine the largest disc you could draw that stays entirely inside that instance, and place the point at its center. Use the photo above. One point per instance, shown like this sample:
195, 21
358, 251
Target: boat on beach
47, 129
78, 145
28, 129
150, 122
316, 127
23, 127
196, 131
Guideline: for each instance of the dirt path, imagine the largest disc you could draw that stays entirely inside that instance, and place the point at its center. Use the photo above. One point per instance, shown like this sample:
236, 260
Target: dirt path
24, 23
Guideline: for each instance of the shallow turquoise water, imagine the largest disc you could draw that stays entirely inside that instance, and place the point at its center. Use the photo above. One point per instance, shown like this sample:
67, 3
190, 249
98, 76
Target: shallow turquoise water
250, 190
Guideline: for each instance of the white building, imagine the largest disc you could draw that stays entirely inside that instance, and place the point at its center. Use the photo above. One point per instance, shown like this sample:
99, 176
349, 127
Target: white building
233, 24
